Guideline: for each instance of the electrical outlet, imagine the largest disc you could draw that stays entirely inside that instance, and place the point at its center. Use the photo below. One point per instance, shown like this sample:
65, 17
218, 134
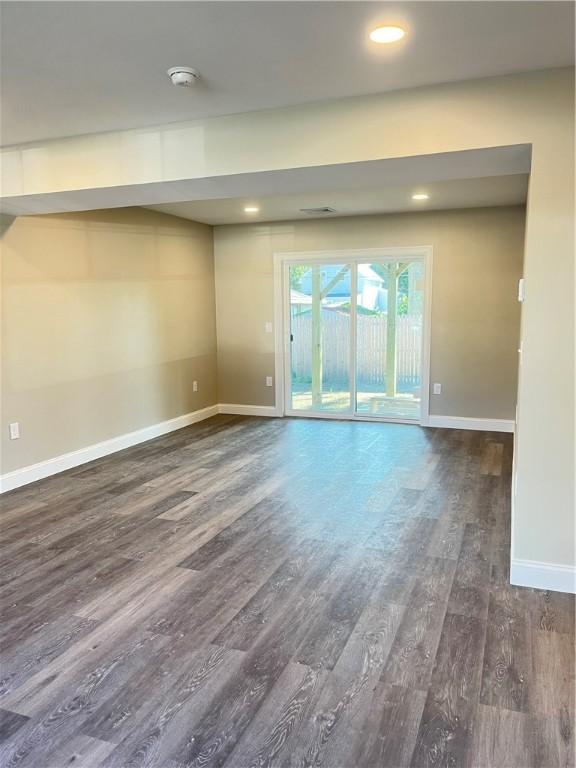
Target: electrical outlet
194, 386
268, 327
14, 430
437, 389
268, 381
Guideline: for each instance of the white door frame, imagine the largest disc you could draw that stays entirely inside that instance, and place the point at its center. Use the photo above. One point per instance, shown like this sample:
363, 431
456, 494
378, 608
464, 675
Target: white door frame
282, 261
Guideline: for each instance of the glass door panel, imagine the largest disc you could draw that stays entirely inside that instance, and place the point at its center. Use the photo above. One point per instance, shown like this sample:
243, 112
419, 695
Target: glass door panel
320, 338
390, 307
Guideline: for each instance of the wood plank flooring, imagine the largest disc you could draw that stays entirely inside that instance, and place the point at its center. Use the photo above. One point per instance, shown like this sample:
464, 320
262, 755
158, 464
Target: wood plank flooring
280, 592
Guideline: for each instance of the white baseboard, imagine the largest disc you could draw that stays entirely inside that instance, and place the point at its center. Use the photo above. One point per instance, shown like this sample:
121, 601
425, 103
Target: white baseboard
531, 573
43, 469
248, 410
463, 422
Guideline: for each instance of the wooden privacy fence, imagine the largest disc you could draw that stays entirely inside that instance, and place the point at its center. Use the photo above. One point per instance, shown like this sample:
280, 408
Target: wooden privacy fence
370, 349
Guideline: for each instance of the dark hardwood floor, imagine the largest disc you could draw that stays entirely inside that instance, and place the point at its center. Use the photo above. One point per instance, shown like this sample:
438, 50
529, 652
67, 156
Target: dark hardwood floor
249, 592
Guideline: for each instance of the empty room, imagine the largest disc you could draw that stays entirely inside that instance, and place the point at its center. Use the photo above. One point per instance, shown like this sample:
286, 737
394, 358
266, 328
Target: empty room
287, 462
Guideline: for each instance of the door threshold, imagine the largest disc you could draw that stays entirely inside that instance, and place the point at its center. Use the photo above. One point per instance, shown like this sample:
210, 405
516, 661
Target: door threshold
353, 417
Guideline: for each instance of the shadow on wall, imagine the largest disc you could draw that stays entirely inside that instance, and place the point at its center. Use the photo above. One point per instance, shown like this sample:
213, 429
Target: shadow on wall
5, 223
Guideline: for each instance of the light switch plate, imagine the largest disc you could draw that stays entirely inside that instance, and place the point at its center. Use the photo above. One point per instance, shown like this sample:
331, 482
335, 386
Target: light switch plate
14, 430
268, 327
521, 289
437, 389
268, 381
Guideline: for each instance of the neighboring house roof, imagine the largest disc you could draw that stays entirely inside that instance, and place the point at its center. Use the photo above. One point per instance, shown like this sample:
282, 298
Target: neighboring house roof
365, 270
366, 276
296, 297
371, 292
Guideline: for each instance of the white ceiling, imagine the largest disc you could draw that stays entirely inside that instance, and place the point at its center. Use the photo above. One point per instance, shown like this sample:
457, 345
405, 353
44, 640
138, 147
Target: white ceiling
82, 67
457, 193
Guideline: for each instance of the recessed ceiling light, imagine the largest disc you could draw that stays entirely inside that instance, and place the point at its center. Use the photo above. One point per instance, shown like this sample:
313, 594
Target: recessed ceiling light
387, 34
251, 209
421, 196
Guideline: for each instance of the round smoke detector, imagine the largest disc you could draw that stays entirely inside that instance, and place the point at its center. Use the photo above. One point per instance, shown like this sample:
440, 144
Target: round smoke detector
184, 76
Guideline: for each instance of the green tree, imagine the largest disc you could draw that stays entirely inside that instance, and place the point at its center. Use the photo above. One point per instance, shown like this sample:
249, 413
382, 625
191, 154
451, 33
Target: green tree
297, 272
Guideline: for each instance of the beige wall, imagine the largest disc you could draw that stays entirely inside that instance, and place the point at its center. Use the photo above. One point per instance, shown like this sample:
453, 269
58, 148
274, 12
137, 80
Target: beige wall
107, 318
475, 315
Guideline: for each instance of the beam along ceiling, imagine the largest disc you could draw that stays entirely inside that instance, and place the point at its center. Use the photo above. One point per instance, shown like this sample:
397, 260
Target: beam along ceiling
357, 186
84, 67
458, 193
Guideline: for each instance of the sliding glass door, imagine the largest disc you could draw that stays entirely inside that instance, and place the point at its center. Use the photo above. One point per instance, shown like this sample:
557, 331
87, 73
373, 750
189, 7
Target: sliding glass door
355, 337
389, 339
320, 361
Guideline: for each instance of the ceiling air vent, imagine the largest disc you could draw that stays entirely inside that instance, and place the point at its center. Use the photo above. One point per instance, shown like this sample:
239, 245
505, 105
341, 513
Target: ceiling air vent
317, 211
